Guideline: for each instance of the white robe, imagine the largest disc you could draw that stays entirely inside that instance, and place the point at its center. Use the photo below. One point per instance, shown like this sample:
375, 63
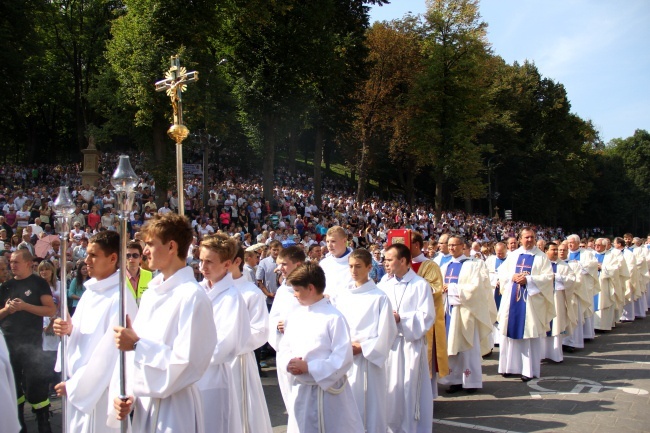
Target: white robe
337, 273
283, 305
248, 385
472, 318
221, 409
369, 313
523, 356
92, 356
319, 335
177, 340
609, 279
409, 388
8, 408
565, 319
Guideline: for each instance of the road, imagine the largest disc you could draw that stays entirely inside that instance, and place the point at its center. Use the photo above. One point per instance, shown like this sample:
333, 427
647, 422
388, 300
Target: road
604, 387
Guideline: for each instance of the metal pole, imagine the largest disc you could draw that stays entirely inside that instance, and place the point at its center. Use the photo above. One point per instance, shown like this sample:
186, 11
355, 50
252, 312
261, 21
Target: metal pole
179, 178
205, 143
489, 188
124, 181
63, 300
64, 208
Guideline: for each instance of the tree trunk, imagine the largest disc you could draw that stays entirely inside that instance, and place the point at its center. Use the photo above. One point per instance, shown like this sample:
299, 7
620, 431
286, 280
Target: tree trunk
268, 155
438, 176
410, 187
363, 171
291, 154
468, 205
318, 155
326, 152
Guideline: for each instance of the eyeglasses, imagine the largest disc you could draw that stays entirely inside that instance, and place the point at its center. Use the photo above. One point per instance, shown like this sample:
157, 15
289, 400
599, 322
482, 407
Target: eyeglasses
134, 255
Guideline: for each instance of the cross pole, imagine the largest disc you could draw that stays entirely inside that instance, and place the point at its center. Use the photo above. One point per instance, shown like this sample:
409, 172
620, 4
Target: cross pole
175, 83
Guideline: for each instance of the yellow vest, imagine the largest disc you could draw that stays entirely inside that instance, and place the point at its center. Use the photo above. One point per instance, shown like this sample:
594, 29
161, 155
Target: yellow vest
143, 283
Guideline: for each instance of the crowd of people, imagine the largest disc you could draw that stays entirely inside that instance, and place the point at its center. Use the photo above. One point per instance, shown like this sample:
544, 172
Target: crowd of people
365, 307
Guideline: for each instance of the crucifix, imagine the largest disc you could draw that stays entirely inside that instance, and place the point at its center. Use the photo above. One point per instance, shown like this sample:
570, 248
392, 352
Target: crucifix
175, 83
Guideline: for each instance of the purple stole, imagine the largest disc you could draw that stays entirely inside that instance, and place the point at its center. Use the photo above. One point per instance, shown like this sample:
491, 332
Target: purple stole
600, 257
518, 298
451, 276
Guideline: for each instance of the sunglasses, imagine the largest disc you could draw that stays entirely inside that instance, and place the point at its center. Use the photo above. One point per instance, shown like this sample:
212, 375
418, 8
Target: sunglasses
134, 255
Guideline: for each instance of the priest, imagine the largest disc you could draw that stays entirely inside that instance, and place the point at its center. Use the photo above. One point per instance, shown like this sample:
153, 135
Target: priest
527, 308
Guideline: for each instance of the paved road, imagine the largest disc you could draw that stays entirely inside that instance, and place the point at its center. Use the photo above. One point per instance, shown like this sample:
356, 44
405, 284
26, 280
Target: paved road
604, 387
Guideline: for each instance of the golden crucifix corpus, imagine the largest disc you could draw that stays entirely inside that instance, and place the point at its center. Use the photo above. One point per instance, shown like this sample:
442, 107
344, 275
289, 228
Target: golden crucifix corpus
175, 83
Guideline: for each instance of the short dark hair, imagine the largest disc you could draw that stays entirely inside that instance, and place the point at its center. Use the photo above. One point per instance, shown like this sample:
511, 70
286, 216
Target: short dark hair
417, 237
549, 245
275, 243
363, 255
306, 274
403, 252
293, 253
108, 241
134, 246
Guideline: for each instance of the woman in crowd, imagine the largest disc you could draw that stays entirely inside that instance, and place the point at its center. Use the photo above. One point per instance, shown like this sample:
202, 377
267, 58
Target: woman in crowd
77, 285
47, 271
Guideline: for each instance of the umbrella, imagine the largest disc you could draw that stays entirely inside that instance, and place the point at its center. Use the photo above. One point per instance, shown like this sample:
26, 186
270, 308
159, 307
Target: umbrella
44, 244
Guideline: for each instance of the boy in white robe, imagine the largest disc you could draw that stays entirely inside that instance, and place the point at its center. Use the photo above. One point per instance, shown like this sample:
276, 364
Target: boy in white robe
248, 385
283, 304
410, 398
221, 408
369, 314
335, 263
317, 352
91, 355
172, 339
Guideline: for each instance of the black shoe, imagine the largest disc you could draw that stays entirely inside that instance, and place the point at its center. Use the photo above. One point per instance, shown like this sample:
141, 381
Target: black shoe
453, 389
568, 349
471, 390
508, 375
489, 354
526, 378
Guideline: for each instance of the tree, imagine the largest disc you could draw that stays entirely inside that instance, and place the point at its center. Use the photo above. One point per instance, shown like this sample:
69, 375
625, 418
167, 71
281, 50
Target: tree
449, 96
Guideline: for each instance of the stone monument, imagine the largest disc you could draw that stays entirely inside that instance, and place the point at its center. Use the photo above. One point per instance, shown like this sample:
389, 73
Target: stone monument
90, 175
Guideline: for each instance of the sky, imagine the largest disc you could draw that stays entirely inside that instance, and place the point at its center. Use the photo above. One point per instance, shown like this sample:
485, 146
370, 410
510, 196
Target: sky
598, 49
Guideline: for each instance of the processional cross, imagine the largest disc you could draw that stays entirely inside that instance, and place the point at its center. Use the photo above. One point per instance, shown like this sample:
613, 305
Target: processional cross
175, 83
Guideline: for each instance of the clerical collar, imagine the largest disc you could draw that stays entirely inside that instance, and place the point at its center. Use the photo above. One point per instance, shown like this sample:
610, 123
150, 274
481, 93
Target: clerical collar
419, 258
459, 258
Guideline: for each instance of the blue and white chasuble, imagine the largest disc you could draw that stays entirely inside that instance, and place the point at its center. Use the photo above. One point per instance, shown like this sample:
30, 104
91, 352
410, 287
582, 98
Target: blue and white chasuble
518, 299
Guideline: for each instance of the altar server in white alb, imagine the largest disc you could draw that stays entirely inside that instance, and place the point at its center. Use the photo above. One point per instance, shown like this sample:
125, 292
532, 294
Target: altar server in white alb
172, 339
335, 263
470, 315
317, 352
565, 320
91, 353
369, 313
283, 305
527, 308
248, 385
611, 291
221, 406
410, 398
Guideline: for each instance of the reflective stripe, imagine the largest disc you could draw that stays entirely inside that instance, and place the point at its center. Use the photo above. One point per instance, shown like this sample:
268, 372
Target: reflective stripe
21, 399
41, 405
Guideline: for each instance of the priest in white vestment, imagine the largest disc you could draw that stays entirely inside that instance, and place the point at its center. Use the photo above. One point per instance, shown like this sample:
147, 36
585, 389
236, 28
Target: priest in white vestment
493, 262
527, 308
248, 384
91, 355
173, 338
410, 395
565, 320
641, 305
317, 351
470, 313
369, 314
221, 409
608, 275
580, 302
584, 263
632, 284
